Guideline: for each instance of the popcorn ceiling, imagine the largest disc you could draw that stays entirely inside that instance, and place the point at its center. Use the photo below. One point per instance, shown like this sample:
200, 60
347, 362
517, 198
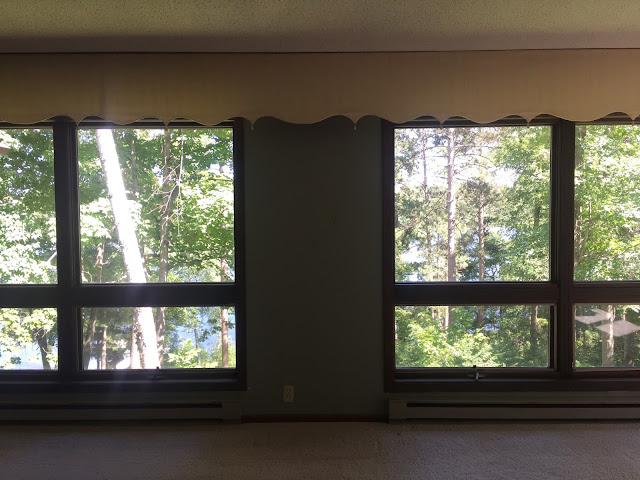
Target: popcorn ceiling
315, 26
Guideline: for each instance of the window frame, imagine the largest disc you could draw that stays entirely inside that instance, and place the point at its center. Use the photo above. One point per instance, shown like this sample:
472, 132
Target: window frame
70, 295
561, 292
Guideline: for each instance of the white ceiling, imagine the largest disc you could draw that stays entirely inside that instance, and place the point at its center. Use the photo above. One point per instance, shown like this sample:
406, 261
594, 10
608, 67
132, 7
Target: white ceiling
315, 25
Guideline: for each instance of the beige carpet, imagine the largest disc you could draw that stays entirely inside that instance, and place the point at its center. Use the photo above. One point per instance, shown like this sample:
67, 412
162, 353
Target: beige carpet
322, 451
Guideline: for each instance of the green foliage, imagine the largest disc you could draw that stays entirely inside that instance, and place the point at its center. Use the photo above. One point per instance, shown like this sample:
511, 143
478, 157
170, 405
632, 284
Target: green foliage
501, 185
502, 341
592, 339
183, 179
524, 210
28, 336
192, 167
503, 171
607, 243
189, 326
200, 173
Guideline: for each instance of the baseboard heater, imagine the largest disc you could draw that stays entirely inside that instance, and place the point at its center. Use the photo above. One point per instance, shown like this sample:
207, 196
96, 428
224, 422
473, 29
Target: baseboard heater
404, 410
222, 411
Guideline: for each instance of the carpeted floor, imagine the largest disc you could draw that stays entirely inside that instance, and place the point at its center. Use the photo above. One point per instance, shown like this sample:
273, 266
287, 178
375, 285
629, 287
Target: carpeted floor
322, 451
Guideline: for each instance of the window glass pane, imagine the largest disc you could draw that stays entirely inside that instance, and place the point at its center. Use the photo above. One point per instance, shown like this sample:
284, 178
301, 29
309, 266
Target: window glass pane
156, 205
472, 204
28, 339
607, 335
607, 202
180, 337
27, 207
464, 336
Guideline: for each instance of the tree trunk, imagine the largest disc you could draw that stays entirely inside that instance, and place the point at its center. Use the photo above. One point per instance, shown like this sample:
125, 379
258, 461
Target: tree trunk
197, 343
170, 188
163, 267
103, 350
608, 339
451, 215
136, 336
91, 331
533, 329
429, 254
628, 350
136, 187
579, 236
135, 345
425, 190
134, 165
161, 323
128, 243
628, 344
88, 342
534, 326
41, 338
481, 253
224, 322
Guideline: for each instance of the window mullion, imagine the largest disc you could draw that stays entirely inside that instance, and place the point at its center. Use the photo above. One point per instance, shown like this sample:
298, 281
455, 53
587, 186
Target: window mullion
563, 161
606, 293
133, 295
388, 252
497, 293
67, 214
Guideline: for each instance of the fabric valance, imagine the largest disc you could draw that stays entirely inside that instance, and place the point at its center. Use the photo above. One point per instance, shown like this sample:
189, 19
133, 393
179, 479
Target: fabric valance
482, 86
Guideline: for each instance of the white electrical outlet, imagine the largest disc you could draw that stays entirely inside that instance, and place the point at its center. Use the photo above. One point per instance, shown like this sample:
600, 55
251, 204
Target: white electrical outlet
287, 393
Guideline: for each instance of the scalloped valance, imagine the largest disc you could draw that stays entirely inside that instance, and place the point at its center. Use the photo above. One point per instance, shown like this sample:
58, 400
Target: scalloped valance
577, 85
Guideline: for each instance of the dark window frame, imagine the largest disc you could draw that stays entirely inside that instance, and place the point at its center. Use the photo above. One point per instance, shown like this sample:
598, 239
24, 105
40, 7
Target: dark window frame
562, 292
69, 295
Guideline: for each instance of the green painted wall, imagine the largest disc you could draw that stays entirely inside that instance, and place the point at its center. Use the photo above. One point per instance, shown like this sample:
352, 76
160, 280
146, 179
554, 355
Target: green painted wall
314, 267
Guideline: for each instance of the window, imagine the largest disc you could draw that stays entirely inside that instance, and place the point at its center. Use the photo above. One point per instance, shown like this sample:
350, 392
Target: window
607, 245
122, 255
28, 336
488, 283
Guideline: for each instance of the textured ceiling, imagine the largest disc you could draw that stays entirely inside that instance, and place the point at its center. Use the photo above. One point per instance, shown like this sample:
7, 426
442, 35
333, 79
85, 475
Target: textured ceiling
315, 25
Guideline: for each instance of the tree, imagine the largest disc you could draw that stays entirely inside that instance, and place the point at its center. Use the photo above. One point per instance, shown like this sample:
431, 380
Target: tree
144, 218
28, 336
457, 196
183, 219
144, 335
607, 226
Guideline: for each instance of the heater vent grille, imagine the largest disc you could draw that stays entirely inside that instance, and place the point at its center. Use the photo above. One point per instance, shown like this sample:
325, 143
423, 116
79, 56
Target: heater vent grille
222, 411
